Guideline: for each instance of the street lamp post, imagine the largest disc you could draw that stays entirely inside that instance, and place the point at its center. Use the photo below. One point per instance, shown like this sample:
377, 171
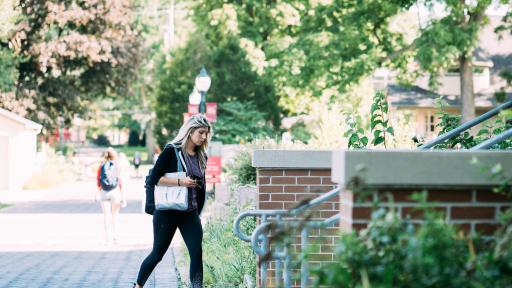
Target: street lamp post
202, 82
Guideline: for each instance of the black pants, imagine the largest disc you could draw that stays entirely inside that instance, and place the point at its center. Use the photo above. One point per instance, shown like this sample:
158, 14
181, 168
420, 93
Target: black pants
164, 227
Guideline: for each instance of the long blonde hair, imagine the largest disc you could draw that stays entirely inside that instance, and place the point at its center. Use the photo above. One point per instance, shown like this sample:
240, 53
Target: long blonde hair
183, 138
110, 154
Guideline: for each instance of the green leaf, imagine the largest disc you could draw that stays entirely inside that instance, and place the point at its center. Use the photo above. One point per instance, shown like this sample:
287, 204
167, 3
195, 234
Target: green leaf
378, 141
375, 123
353, 139
373, 108
364, 140
391, 131
377, 133
385, 108
482, 132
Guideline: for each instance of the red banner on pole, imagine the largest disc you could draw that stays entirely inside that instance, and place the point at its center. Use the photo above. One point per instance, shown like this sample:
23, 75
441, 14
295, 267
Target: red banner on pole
213, 169
212, 180
211, 111
214, 166
193, 109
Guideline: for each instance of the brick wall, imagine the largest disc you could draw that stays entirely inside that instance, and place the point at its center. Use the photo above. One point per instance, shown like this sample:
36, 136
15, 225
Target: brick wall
284, 189
466, 196
472, 210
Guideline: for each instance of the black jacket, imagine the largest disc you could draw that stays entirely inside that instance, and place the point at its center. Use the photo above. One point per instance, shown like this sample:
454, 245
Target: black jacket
167, 163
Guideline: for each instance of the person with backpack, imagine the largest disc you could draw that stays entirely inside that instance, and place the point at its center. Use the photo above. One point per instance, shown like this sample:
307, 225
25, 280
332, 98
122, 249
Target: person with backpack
110, 193
136, 162
189, 147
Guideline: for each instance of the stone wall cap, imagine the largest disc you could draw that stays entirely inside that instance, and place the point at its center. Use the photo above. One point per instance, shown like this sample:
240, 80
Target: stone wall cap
312, 159
414, 168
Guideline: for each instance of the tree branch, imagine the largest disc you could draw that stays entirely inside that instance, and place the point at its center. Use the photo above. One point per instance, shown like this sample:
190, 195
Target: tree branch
399, 52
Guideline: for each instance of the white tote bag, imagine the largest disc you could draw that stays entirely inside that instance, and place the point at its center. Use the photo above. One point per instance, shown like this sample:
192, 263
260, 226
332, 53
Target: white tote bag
172, 197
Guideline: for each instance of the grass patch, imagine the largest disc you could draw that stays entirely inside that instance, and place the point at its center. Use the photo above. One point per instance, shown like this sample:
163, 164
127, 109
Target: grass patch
130, 151
2, 205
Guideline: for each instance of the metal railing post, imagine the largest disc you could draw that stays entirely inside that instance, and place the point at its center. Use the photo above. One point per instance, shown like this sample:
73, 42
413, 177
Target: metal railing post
304, 269
277, 260
287, 269
260, 241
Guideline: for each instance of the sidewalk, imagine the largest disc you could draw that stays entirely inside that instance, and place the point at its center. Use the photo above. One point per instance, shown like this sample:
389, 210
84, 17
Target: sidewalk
55, 238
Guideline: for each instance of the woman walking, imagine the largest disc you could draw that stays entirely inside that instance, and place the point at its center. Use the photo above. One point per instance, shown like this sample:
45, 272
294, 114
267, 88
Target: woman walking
110, 192
191, 143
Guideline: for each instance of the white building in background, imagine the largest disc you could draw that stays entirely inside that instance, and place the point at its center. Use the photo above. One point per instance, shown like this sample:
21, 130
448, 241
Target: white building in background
491, 56
18, 147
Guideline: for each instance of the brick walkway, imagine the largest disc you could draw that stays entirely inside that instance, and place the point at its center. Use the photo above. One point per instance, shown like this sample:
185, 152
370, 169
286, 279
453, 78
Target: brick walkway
56, 239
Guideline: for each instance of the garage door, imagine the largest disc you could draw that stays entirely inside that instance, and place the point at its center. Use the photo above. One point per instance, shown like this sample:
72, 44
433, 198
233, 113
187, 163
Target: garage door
4, 160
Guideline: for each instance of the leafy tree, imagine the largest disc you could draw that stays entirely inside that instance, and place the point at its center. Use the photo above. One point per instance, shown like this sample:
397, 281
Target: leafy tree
352, 38
232, 80
240, 122
8, 75
71, 52
306, 47
175, 83
450, 41
8, 60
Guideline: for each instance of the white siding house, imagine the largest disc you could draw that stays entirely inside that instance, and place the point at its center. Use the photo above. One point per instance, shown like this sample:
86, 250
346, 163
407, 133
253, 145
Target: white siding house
18, 147
492, 55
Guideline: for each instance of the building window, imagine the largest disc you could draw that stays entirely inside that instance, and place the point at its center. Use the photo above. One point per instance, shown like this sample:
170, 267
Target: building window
430, 123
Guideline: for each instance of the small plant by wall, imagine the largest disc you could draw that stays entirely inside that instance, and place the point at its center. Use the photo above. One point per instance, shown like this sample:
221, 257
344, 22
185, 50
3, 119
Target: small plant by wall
241, 170
380, 126
466, 140
394, 253
228, 262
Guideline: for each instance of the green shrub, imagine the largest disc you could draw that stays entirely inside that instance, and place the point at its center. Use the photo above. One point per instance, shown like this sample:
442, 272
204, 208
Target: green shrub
394, 253
101, 140
68, 150
241, 170
134, 138
226, 258
300, 132
465, 140
241, 123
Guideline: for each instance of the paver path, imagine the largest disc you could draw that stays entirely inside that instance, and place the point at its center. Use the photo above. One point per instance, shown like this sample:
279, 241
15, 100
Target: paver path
55, 238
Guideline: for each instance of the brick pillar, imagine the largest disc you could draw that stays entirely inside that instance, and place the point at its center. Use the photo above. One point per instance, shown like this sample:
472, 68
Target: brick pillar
284, 188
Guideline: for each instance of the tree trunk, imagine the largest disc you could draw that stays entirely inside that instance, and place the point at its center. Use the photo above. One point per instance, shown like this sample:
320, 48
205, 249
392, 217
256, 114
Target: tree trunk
150, 139
466, 87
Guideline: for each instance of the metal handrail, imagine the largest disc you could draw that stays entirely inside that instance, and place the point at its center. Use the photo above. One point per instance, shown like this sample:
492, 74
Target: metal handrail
260, 242
281, 212
452, 133
492, 141
263, 228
